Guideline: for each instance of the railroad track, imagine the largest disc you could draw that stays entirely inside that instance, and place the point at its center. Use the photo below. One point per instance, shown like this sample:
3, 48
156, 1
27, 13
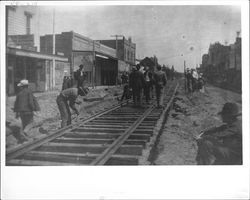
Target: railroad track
116, 136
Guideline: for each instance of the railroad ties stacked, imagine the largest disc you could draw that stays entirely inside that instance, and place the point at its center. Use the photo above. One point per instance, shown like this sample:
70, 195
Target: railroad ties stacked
114, 137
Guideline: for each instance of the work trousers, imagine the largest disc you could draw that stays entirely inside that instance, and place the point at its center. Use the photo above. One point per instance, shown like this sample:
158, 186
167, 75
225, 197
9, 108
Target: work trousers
64, 111
147, 88
194, 84
137, 95
189, 85
125, 94
27, 121
158, 93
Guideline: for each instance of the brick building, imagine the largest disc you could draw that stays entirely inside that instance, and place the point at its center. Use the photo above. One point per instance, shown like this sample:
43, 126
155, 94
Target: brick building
23, 61
100, 61
126, 51
222, 64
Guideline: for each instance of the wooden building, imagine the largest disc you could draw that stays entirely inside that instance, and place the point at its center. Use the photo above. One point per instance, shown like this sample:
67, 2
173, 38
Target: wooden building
100, 61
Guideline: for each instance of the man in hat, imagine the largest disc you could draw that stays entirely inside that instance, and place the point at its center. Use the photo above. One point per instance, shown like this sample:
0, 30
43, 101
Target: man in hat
80, 76
189, 79
222, 145
66, 100
136, 82
25, 105
148, 82
160, 81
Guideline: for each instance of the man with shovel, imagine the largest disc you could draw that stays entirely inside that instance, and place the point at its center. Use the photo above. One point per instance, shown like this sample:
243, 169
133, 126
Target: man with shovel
66, 100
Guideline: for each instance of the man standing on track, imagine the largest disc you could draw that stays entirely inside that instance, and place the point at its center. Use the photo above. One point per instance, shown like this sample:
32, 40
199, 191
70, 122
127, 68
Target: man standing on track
24, 107
148, 82
67, 98
160, 82
136, 82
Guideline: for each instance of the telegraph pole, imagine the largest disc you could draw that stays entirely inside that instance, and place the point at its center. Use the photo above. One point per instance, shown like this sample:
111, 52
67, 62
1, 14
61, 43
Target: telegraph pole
116, 43
116, 47
93, 67
54, 51
185, 76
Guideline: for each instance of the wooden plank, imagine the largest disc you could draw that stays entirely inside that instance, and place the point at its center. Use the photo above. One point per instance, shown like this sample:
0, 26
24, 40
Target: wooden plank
99, 129
90, 148
83, 140
57, 157
19, 162
92, 135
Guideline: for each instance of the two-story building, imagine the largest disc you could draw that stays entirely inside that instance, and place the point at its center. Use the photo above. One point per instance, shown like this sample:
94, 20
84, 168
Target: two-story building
100, 61
23, 61
126, 51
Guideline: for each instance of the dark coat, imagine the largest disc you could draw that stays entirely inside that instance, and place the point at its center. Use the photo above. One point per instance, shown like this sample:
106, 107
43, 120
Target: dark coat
136, 80
160, 78
150, 75
26, 102
80, 78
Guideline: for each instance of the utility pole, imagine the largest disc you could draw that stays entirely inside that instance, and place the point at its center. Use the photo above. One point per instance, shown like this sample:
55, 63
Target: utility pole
185, 76
54, 51
116, 43
93, 67
116, 47
6, 45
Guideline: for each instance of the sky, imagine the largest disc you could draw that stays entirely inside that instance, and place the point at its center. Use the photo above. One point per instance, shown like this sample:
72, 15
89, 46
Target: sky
172, 33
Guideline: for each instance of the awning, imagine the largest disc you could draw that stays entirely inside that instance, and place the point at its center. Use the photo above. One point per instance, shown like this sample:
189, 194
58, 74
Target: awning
33, 54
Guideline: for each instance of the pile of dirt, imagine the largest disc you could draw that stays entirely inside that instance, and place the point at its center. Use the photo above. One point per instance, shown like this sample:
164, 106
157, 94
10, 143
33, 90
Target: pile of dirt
191, 114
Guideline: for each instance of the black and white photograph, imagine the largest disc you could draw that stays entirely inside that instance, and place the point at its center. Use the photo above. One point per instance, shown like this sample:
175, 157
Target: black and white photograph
122, 90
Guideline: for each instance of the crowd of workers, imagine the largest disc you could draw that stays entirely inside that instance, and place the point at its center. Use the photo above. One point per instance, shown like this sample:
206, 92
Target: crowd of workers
142, 82
194, 81
218, 145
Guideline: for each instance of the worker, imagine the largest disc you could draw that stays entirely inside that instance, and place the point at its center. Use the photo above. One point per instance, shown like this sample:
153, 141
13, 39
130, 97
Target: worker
24, 107
66, 100
189, 80
148, 82
136, 82
80, 76
160, 81
222, 145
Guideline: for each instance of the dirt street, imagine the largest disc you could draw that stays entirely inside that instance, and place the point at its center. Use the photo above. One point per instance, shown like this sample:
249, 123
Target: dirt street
191, 114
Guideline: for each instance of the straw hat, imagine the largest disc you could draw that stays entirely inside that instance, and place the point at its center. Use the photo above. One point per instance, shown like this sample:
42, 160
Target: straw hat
23, 83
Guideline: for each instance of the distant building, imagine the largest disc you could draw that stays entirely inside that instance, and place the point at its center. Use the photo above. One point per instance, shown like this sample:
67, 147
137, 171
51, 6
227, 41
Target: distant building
23, 61
205, 58
126, 51
21, 30
235, 55
100, 61
222, 64
218, 55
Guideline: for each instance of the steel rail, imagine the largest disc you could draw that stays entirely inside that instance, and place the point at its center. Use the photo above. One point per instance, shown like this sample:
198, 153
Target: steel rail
20, 150
103, 157
107, 154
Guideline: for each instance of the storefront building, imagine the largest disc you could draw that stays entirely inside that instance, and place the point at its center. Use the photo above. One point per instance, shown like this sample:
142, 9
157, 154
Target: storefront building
99, 61
35, 67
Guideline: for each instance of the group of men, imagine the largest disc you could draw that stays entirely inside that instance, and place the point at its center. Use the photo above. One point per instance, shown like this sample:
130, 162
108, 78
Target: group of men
141, 81
194, 80
26, 103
